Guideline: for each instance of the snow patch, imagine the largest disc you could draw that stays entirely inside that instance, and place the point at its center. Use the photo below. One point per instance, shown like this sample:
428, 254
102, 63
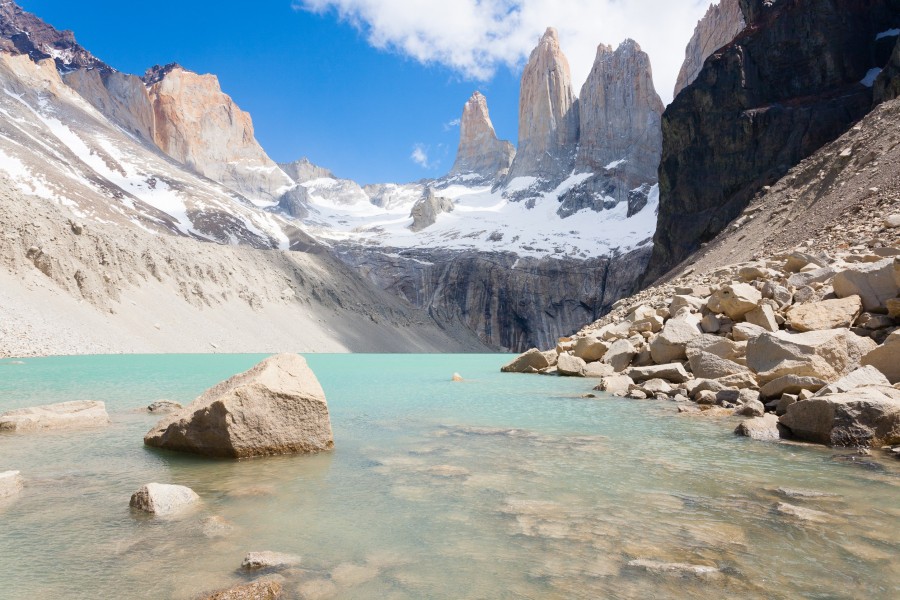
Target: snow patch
887, 34
869, 79
615, 164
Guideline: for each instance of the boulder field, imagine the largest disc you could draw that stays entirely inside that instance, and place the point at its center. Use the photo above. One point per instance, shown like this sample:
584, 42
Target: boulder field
806, 345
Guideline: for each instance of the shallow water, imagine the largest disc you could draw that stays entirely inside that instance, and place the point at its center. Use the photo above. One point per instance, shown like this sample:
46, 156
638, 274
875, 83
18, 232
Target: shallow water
502, 486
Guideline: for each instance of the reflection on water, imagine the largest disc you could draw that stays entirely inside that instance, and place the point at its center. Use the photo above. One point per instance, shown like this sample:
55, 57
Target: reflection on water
504, 486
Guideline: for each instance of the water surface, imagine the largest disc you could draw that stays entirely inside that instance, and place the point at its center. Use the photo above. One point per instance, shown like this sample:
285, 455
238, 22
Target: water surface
501, 486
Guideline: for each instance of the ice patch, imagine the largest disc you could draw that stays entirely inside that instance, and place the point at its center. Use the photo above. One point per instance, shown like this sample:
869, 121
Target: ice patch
887, 34
869, 79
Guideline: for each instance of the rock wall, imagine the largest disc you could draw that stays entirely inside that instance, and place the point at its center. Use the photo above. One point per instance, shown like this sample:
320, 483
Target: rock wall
201, 127
719, 26
122, 98
887, 85
480, 153
789, 84
510, 302
548, 115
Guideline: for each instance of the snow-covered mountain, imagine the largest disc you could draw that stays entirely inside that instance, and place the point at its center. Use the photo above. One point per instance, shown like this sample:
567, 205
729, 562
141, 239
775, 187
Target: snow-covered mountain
509, 248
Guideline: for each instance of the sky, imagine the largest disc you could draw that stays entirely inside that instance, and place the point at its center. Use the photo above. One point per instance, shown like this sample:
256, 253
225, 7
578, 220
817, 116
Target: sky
372, 89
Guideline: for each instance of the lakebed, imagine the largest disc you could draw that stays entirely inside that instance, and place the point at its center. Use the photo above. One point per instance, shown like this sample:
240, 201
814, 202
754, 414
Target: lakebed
499, 486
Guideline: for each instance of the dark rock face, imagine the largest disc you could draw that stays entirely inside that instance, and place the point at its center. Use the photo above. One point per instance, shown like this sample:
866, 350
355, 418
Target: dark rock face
887, 85
23, 33
508, 301
786, 86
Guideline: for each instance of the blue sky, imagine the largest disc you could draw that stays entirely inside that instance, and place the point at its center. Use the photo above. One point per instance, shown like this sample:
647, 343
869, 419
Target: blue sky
357, 86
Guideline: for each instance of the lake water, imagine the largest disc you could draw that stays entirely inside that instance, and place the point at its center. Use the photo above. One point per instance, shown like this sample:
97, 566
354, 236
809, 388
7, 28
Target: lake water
501, 486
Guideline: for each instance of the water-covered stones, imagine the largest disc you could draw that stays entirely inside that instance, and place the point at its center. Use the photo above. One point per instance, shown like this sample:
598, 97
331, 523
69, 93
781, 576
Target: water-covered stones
256, 561
65, 415
162, 499
277, 407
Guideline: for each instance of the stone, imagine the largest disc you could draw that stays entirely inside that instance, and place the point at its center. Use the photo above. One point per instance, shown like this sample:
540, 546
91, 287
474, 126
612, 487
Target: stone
711, 323
548, 114
674, 569
763, 316
744, 332
426, 210
893, 308
784, 402
780, 294
651, 324
809, 278
672, 372
892, 221
10, 484
791, 384
589, 349
618, 385
216, 527
532, 358
827, 354
762, 428
257, 590
801, 513
619, 355
480, 153
65, 415
163, 499
570, 366
163, 406
885, 358
722, 22
671, 343
873, 282
277, 407
709, 366
863, 376
457, 377
637, 395
719, 346
744, 379
865, 416
597, 369
734, 300
684, 301
753, 408
656, 386
256, 561
827, 314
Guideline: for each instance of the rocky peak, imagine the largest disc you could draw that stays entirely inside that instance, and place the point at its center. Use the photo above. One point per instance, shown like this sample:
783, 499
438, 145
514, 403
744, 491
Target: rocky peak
620, 113
23, 33
721, 24
156, 73
480, 152
548, 115
200, 126
303, 170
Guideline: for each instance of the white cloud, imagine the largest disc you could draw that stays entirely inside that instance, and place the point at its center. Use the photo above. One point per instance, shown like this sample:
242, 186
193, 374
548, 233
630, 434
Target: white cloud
452, 124
420, 156
476, 37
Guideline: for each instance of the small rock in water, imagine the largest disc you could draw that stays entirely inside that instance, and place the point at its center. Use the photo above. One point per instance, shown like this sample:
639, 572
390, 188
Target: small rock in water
163, 406
801, 513
255, 561
801, 493
258, 590
457, 377
216, 526
65, 415
162, 499
674, 569
10, 484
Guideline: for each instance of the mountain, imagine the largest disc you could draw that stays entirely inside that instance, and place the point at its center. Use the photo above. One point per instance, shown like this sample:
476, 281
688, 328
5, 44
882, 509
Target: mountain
799, 76
481, 157
721, 24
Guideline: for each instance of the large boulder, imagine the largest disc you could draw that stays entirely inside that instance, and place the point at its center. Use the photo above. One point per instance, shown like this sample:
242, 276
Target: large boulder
763, 316
671, 343
764, 428
619, 355
530, 361
672, 372
257, 590
617, 385
865, 416
886, 357
827, 314
162, 499
863, 376
277, 407
791, 384
734, 300
65, 415
720, 346
873, 282
10, 484
570, 366
828, 354
706, 365
589, 349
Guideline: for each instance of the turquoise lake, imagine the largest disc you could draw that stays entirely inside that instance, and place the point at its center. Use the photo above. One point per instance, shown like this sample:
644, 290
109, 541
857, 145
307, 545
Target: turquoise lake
500, 486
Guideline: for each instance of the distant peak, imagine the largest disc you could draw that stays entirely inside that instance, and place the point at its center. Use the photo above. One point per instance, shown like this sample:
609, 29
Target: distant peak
157, 73
550, 35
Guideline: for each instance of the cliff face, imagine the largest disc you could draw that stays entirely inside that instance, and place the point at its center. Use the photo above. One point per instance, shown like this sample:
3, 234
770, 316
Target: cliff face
481, 155
200, 126
721, 24
509, 301
548, 115
120, 97
786, 86
887, 84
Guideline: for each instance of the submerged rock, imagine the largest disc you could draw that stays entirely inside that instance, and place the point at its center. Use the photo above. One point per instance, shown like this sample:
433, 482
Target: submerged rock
255, 561
65, 415
163, 499
674, 569
764, 428
163, 407
10, 484
258, 590
277, 407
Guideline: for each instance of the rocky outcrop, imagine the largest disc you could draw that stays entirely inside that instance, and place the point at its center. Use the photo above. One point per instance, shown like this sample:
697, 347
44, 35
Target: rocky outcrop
865, 416
886, 358
162, 499
620, 115
548, 115
277, 407
65, 415
786, 86
122, 98
508, 301
481, 156
887, 85
721, 24
425, 212
302, 171
201, 127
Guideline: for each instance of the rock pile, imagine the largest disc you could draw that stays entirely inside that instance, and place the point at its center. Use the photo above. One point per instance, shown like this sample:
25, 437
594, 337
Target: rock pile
807, 345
